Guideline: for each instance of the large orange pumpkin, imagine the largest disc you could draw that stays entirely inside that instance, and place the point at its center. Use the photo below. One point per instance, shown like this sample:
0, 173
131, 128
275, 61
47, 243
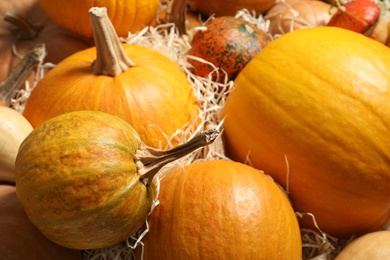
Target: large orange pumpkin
150, 91
126, 16
221, 210
312, 110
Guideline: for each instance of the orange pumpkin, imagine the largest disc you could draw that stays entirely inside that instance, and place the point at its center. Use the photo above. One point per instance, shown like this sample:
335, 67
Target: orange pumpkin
133, 82
312, 110
221, 210
372, 246
229, 7
20, 239
126, 16
30, 26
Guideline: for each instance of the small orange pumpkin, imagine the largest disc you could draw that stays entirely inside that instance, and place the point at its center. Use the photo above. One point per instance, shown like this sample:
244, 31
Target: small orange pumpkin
133, 82
228, 43
319, 124
221, 210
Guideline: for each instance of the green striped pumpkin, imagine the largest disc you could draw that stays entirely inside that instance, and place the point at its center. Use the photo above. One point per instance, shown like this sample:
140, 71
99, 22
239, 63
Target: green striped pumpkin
78, 182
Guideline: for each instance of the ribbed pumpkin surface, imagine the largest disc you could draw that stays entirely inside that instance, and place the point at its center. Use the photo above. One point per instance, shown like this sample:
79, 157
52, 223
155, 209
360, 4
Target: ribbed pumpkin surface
78, 183
221, 210
313, 108
154, 96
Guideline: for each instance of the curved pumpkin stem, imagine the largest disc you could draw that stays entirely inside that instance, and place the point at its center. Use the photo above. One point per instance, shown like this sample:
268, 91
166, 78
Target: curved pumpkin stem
111, 59
149, 161
22, 28
20, 73
178, 15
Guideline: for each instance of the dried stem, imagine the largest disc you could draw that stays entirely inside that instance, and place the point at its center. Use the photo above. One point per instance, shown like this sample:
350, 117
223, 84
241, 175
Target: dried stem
178, 15
20, 73
149, 161
22, 28
111, 59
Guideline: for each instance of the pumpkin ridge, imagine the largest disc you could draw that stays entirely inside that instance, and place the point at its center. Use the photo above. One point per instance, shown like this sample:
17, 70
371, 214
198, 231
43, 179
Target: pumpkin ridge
336, 143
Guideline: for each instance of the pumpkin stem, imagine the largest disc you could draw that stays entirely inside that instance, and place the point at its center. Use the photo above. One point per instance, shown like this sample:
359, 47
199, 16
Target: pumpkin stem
149, 161
22, 28
178, 15
111, 58
338, 5
20, 73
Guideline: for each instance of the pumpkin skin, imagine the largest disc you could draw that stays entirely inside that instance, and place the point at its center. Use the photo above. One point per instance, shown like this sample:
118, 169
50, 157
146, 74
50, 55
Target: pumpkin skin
373, 246
221, 210
20, 239
59, 43
228, 43
126, 16
77, 180
230, 7
154, 96
298, 101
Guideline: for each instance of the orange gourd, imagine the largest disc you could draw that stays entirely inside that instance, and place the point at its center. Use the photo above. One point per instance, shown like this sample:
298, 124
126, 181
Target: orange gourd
312, 110
221, 210
229, 7
133, 82
126, 16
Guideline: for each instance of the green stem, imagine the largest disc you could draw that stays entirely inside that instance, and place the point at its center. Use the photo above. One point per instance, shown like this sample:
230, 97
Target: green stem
149, 161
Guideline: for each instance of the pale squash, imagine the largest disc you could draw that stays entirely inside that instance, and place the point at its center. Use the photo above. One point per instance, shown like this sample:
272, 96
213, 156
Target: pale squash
371, 246
14, 128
